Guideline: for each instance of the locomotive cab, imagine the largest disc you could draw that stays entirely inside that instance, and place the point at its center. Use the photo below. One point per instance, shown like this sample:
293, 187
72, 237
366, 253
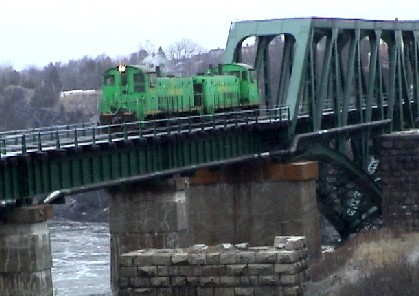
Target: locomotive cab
249, 95
128, 94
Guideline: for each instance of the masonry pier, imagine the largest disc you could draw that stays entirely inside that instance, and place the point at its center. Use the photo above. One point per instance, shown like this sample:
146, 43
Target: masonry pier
253, 203
25, 252
222, 270
146, 216
250, 203
399, 167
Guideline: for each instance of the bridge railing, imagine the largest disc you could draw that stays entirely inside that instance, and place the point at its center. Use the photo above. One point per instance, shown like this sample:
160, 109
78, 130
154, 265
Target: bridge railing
16, 143
329, 107
63, 127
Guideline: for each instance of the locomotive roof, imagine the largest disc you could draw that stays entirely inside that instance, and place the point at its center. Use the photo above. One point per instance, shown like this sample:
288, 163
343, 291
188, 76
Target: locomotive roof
246, 66
143, 68
147, 70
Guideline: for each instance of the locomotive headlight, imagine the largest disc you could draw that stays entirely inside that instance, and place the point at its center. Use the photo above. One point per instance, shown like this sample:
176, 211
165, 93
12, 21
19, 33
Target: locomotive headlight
121, 68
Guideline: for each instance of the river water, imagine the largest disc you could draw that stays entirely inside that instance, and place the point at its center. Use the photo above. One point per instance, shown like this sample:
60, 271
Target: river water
81, 258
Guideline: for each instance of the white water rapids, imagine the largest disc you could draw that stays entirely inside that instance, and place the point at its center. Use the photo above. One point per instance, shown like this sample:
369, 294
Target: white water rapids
81, 258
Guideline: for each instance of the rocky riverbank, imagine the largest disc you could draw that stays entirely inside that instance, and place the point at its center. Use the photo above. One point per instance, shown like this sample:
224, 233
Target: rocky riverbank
85, 207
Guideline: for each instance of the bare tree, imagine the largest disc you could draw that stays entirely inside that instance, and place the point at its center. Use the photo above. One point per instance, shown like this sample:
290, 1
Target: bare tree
147, 47
184, 49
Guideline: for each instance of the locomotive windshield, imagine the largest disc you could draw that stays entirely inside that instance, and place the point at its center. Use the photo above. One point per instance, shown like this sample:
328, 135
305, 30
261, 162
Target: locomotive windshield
243, 75
108, 80
252, 74
153, 79
139, 82
124, 79
235, 73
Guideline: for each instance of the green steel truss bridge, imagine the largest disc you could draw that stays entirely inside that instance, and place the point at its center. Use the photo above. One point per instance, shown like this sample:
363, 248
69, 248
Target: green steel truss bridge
329, 86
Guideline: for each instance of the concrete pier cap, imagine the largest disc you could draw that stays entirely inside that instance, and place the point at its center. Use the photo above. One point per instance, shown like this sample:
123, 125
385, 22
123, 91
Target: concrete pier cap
25, 252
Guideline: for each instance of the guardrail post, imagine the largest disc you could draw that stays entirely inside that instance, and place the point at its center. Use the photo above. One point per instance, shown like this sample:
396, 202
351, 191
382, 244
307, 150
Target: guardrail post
140, 128
23, 144
76, 143
3, 144
94, 135
125, 131
154, 128
57, 140
168, 126
109, 134
39, 142
84, 129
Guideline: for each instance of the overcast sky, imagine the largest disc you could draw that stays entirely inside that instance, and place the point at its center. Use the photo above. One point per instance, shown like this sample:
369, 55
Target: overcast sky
36, 32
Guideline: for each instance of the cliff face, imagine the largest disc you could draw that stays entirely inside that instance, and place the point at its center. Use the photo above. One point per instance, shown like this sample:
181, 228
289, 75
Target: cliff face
21, 109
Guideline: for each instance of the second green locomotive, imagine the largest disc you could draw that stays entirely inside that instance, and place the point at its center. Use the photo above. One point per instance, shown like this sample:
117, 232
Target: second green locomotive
132, 93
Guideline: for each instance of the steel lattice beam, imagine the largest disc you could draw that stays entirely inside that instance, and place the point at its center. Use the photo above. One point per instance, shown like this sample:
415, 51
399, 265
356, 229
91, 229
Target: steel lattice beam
357, 70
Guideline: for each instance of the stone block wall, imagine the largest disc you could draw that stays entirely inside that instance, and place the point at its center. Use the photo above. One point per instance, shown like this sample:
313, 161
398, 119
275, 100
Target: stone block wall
146, 216
25, 252
222, 270
399, 167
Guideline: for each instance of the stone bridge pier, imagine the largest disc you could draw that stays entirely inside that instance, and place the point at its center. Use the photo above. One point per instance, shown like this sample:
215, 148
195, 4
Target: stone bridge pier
244, 203
254, 203
143, 216
25, 252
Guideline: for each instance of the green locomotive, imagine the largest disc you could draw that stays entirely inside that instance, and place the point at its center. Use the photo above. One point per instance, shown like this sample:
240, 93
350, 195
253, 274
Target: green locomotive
132, 93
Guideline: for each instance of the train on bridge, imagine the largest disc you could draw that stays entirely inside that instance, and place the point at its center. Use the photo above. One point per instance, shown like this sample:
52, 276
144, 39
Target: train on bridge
132, 93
